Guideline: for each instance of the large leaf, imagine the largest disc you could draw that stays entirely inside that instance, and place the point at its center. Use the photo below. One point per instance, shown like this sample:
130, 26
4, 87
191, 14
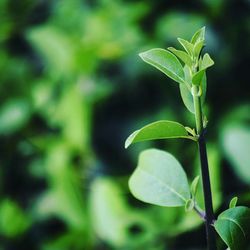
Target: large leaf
166, 62
158, 130
186, 94
159, 179
236, 144
233, 227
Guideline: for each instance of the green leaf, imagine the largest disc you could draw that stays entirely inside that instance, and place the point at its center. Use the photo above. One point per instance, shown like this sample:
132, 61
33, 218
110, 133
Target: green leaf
186, 94
159, 179
206, 62
166, 62
158, 130
197, 77
194, 185
199, 35
233, 227
189, 47
236, 144
182, 55
198, 47
189, 205
233, 202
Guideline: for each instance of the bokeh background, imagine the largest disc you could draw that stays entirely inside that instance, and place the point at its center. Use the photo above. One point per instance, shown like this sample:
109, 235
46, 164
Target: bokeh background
72, 88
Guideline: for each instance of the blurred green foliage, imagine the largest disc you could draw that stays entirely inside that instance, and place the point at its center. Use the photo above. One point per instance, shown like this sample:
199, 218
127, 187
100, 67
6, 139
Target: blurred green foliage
73, 88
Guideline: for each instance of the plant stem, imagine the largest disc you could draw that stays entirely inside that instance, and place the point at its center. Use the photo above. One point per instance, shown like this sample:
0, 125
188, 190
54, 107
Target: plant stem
211, 240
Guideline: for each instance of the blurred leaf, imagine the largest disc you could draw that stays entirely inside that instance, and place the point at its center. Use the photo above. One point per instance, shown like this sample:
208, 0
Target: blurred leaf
108, 207
14, 114
158, 130
236, 143
233, 227
159, 179
166, 62
13, 221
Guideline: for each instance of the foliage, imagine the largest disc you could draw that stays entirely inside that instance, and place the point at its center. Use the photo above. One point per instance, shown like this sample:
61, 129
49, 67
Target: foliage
159, 179
72, 88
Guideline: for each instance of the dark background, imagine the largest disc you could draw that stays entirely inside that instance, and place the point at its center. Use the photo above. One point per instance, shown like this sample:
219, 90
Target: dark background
72, 88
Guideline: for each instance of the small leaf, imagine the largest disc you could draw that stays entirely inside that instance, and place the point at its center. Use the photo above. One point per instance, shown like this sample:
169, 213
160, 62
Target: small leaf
159, 179
197, 77
233, 202
189, 205
191, 131
199, 35
233, 227
166, 62
194, 185
198, 47
206, 62
182, 55
158, 130
186, 94
189, 47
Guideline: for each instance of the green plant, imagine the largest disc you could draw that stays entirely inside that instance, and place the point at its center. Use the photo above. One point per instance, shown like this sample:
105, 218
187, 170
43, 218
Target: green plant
159, 178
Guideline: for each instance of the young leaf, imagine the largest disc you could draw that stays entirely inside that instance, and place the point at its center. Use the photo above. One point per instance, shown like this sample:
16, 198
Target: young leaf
206, 62
189, 205
158, 130
189, 47
197, 77
186, 94
199, 35
194, 185
182, 55
233, 227
159, 179
197, 48
166, 62
233, 202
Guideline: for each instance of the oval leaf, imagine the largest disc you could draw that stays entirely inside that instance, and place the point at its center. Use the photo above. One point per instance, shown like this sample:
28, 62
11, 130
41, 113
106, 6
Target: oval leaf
189, 205
166, 62
233, 227
158, 130
186, 94
159, 179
